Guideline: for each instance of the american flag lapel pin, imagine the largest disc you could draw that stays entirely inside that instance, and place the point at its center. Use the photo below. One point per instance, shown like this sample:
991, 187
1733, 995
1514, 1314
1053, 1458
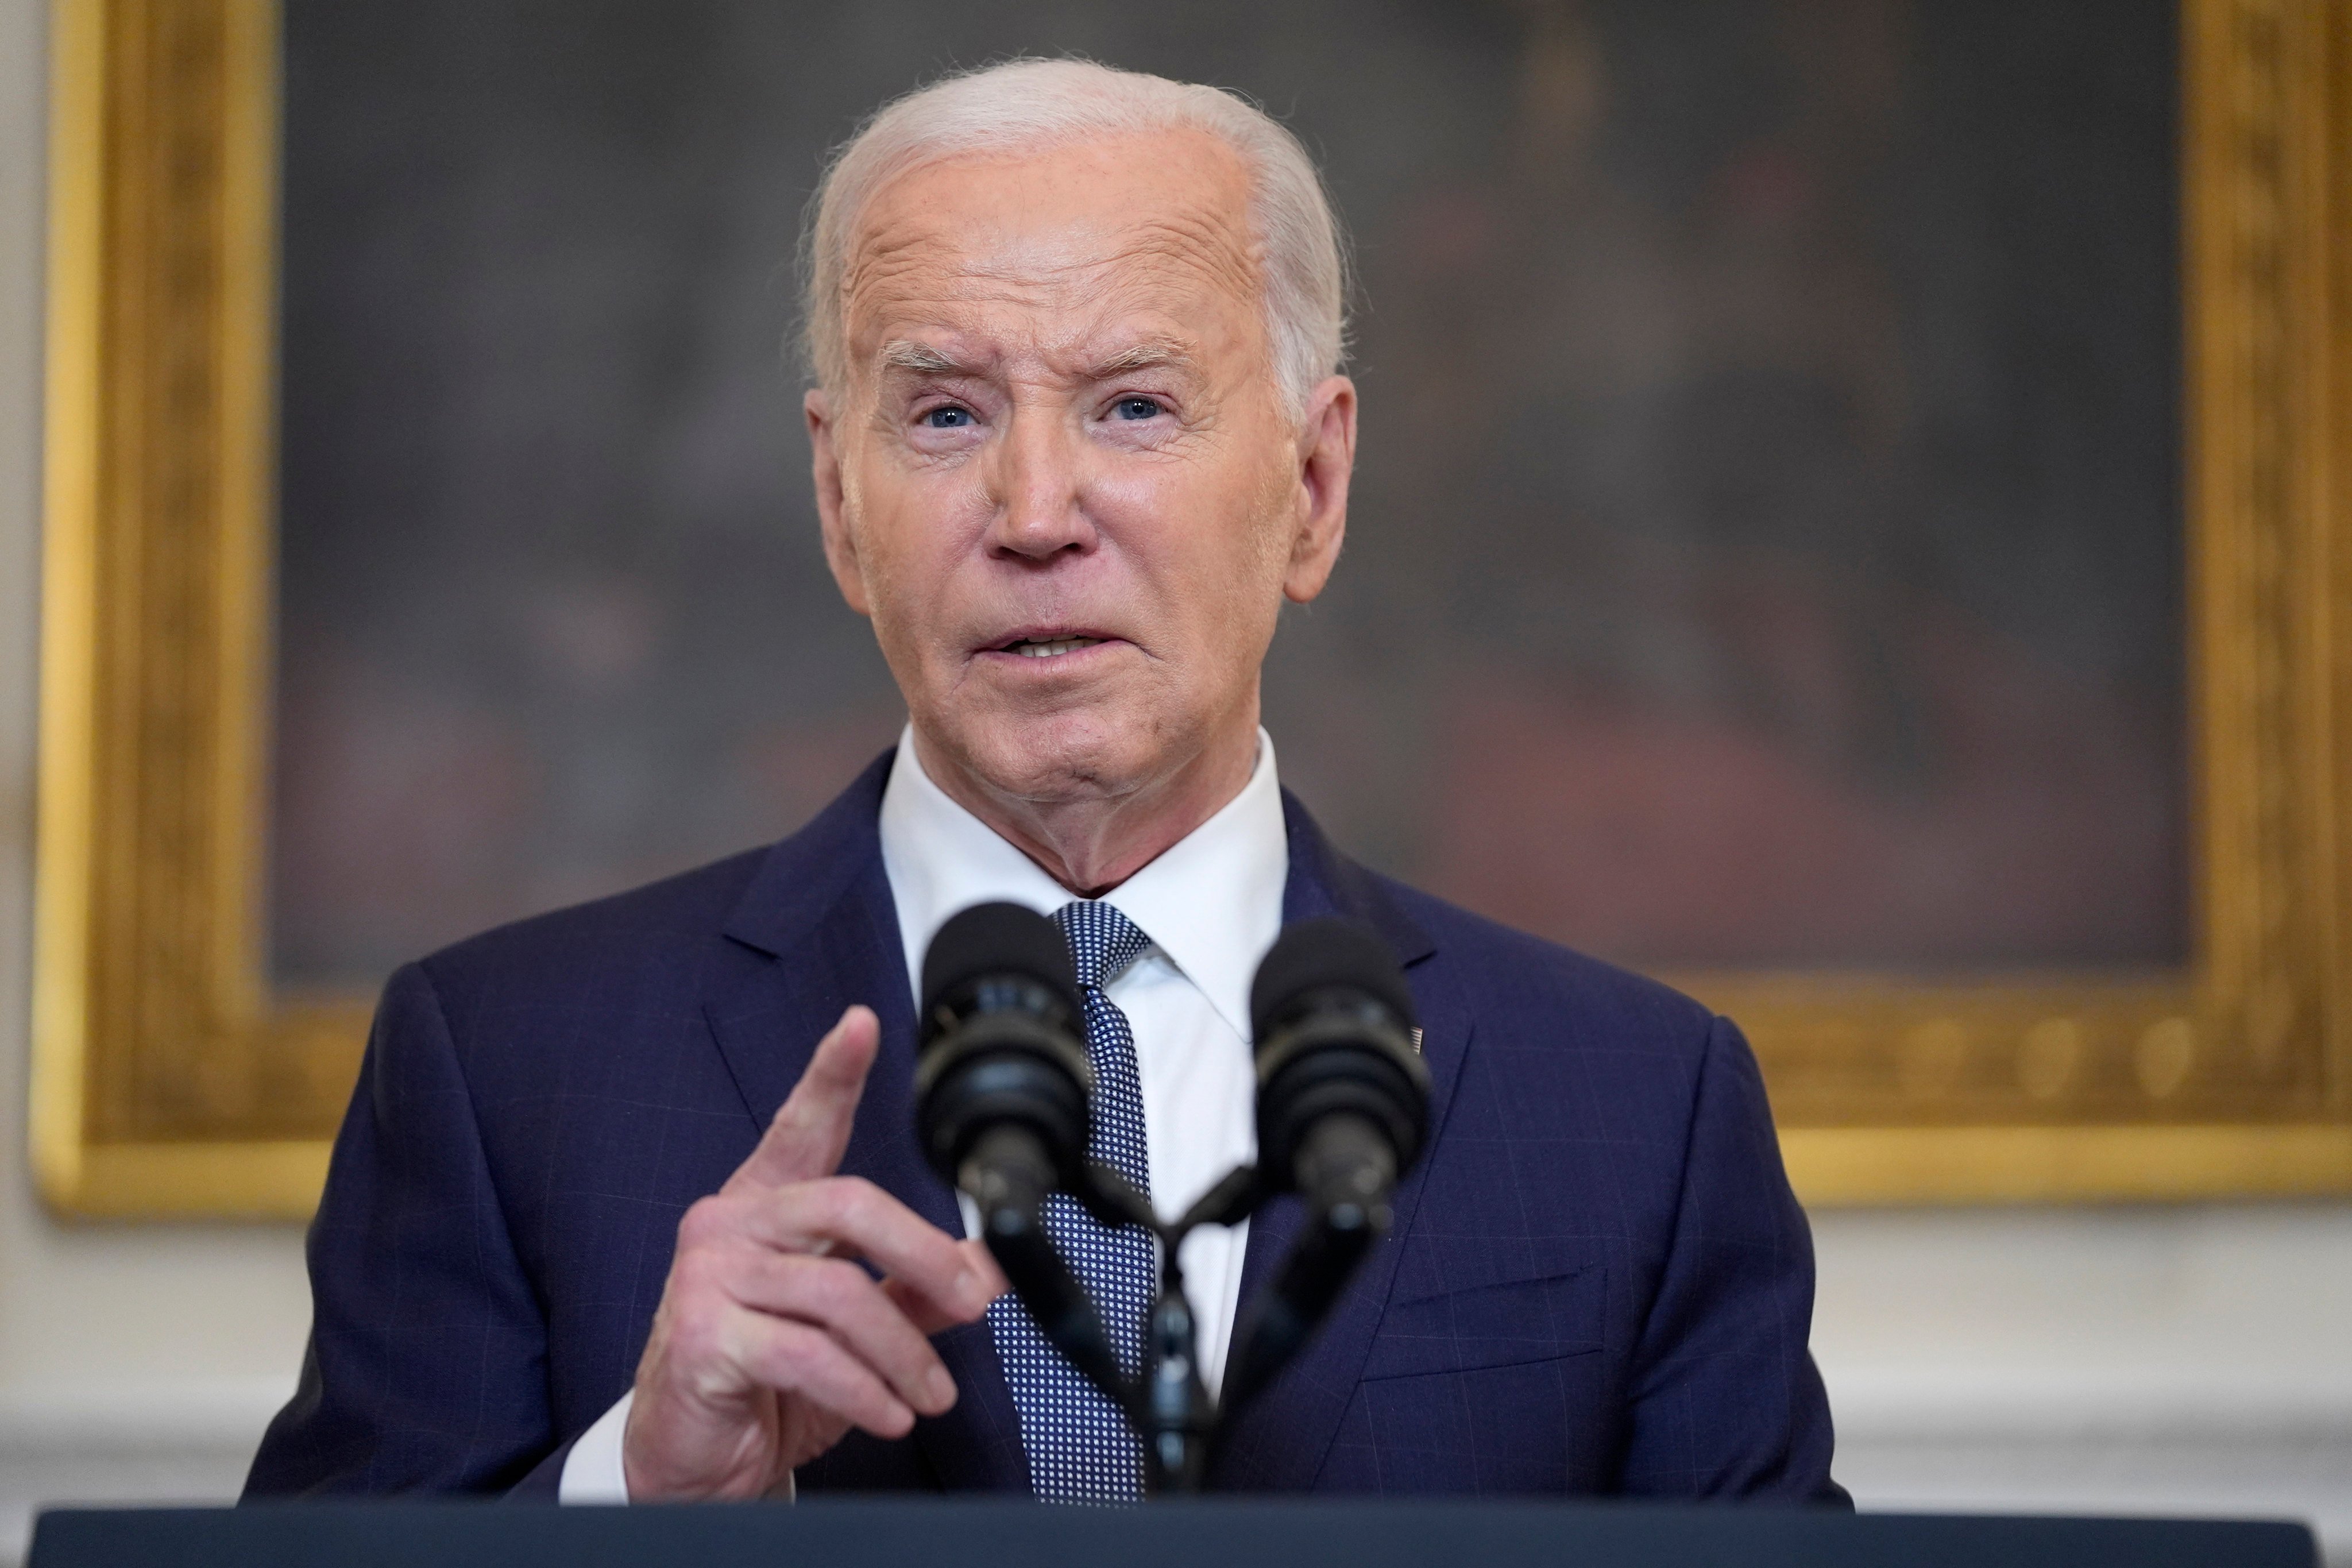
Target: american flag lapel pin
1416, 1042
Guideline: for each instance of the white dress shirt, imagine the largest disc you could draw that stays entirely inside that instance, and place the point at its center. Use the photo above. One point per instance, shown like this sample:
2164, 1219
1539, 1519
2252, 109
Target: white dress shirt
1211, 905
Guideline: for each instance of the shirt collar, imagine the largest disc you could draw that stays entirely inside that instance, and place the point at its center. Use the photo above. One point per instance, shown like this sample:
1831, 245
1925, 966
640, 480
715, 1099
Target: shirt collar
1211, 903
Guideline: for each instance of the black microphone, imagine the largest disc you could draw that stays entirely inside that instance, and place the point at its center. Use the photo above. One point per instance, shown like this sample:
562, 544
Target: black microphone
1002, 1086
999, 1050
1342, 1112
1342, 1096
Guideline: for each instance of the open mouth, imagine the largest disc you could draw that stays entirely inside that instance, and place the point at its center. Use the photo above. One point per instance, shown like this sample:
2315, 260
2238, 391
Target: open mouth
1047, 648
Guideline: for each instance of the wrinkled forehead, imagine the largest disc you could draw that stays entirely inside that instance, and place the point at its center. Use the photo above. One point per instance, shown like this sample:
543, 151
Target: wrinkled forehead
1060, 246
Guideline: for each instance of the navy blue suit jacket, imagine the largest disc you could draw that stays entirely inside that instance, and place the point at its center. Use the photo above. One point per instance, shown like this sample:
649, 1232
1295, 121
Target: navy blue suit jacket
1598, 1282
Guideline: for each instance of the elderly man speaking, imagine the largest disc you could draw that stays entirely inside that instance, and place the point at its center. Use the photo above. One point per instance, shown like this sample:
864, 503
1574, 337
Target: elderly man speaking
629, 1204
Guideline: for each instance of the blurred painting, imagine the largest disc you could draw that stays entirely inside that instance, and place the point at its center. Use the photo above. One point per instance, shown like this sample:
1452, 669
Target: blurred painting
1766, 550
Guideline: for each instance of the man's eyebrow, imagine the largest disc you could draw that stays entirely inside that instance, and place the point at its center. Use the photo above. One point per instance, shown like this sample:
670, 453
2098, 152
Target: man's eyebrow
1150, 354
901, 353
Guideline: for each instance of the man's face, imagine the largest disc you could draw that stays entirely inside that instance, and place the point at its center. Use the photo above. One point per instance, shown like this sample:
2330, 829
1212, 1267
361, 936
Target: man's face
1060, 477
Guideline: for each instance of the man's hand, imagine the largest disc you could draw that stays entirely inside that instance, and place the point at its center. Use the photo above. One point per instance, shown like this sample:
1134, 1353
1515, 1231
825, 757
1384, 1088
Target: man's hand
771, 1342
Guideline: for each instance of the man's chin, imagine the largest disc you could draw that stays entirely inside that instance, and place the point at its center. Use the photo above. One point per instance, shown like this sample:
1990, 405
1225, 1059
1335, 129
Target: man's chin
1047, 758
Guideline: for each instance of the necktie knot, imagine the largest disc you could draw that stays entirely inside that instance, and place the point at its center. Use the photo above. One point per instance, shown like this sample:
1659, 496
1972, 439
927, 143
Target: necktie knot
1103, 943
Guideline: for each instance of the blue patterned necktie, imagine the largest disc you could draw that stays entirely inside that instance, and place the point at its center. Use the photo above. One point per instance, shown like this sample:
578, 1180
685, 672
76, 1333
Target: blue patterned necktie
1081, 1446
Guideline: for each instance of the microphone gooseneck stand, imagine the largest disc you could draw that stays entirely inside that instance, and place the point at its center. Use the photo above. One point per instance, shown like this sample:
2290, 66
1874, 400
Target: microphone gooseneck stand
1170, 1404
1342, 1104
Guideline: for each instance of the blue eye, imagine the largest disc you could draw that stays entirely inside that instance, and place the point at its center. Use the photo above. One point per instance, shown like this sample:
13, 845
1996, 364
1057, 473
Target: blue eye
1138, 408
948, 417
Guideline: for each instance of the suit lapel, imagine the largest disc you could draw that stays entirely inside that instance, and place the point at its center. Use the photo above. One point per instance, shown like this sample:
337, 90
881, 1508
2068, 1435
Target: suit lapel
816, 932
1278, 1442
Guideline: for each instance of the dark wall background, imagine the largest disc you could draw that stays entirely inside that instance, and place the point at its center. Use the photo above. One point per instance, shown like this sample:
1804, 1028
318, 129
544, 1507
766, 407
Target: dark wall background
1767, 536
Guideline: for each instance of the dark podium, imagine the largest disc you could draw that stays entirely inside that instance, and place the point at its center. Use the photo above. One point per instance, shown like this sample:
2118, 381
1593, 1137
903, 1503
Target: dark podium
1203, 1534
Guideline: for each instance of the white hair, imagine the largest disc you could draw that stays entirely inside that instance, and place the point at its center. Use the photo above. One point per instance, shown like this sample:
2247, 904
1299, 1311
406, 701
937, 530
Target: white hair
1028, 103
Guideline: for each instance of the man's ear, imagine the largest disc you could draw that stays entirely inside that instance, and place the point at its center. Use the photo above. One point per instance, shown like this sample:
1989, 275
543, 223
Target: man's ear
824, 465
1326, 456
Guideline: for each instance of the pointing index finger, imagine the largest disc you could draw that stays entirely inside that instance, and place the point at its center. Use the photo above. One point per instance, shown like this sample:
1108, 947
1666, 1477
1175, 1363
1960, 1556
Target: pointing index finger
810, 1130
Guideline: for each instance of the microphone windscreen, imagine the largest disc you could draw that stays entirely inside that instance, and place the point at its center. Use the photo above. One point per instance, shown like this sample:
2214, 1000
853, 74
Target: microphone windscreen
1321, 955
997, 939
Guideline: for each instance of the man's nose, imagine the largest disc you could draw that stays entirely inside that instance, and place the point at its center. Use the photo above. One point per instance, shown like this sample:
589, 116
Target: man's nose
1035, 472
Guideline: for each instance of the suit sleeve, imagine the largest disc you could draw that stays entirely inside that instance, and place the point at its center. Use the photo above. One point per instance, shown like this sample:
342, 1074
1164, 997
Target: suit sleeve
427, 1370
1725, 1399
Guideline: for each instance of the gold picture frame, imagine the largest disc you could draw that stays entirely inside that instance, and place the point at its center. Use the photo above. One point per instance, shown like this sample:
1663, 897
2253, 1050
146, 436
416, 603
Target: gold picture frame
168, 1079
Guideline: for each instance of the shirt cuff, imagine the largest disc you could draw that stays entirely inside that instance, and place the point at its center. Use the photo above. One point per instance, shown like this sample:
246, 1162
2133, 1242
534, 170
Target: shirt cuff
593, 1472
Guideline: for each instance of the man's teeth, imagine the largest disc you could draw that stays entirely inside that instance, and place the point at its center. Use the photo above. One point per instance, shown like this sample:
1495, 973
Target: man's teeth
1051, 649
